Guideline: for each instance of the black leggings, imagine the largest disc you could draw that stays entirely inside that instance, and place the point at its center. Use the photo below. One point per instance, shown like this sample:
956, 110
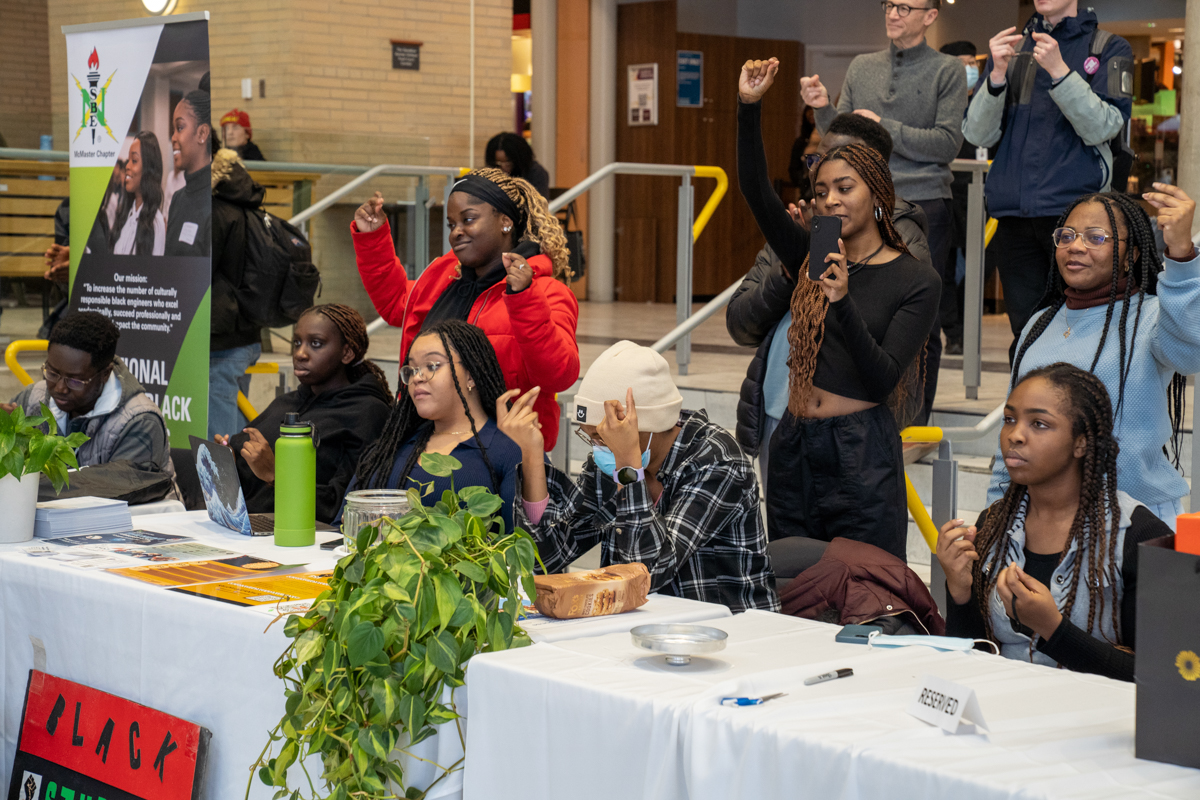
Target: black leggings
842, 476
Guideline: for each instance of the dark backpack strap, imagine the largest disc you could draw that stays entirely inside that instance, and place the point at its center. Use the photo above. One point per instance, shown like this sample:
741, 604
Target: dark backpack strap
1100, 40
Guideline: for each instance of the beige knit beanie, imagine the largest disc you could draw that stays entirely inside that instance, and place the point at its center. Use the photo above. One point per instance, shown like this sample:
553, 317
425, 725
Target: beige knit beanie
626, 365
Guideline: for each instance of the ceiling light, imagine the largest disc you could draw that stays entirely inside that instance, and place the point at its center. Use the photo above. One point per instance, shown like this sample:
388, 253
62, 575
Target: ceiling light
159, 6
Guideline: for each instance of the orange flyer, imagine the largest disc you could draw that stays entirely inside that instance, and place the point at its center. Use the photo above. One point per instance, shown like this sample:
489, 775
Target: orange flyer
184, 573
264, 589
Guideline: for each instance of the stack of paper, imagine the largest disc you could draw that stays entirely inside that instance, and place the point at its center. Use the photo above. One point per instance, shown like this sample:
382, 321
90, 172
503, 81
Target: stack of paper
78, 515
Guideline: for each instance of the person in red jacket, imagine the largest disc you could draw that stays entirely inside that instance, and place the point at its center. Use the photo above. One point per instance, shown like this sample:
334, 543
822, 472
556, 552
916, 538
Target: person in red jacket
506, 273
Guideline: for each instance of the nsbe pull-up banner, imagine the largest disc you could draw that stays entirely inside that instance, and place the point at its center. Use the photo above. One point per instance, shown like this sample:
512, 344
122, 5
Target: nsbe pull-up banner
141, 200
78, 743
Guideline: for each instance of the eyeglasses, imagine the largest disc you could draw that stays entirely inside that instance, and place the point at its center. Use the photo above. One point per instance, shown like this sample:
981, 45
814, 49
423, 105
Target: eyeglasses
588, 440
811, 159
1093, 238
900, 8
425, 373
74, 384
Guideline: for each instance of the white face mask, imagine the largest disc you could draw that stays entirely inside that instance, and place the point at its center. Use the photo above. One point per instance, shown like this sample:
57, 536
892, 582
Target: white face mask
946, 643
972, 76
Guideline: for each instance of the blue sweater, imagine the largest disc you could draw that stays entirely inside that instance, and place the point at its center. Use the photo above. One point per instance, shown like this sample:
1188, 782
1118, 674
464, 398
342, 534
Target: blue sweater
1168, 341
502, 452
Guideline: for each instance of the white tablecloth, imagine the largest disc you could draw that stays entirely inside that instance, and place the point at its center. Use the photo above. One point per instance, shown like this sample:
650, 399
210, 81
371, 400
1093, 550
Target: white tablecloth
202, 660
599, 718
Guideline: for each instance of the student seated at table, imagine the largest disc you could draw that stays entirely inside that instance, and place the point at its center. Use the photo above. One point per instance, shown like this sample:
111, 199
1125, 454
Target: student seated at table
89, 389
343, 394
1049, 572
662, 486
452, 382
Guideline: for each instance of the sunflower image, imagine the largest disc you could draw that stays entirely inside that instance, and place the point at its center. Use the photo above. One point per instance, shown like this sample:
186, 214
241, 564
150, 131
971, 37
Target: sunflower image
1188, 664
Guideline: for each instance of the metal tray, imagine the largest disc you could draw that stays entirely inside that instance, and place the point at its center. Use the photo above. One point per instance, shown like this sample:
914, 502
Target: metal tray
679, 641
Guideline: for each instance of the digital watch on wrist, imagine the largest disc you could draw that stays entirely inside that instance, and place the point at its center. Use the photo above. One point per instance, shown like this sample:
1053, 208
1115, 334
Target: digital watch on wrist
628, 475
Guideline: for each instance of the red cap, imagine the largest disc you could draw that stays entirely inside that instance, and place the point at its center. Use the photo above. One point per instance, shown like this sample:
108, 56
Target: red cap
238, 118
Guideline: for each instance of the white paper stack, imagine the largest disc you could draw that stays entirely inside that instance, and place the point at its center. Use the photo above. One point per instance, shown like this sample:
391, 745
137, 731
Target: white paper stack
78, 515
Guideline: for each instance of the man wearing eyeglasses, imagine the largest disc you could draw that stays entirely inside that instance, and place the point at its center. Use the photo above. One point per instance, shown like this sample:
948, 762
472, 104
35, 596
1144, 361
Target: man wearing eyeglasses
918, 95
1057, 94
89, 389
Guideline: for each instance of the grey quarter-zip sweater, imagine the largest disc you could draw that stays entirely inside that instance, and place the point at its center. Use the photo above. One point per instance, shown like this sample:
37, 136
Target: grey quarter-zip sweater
920, 96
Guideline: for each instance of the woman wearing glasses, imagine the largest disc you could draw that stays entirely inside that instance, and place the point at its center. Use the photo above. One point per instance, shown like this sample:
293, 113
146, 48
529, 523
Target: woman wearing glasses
452, 380
1111, 308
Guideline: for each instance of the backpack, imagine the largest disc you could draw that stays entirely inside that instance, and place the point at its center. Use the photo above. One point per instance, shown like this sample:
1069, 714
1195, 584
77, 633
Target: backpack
1119, 75
279, 279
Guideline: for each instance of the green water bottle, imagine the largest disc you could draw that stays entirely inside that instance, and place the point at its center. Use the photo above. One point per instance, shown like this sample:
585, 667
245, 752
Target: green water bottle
295, 483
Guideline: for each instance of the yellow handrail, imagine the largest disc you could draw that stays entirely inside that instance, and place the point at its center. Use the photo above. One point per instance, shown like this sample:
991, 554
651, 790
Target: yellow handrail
916, 508
714, 199
989, 230
243, 403
23, 346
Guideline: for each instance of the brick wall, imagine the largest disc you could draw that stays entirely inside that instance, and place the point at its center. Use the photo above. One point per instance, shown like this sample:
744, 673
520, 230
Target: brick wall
24, 72
331, 93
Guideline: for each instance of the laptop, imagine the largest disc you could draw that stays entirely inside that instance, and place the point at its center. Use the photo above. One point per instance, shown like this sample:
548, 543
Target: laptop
223, 491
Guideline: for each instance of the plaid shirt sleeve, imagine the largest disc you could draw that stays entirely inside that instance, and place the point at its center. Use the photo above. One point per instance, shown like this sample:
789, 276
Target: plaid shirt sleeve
570, 525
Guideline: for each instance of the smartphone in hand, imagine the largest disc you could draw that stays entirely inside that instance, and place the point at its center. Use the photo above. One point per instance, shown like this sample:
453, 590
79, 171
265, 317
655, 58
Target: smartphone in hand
824, 233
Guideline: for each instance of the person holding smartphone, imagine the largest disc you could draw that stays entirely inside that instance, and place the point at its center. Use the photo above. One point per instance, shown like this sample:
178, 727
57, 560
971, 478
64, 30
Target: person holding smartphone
858, 328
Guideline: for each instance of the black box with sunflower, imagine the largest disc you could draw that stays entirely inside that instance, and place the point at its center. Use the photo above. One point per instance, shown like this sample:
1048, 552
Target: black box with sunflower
1168, 654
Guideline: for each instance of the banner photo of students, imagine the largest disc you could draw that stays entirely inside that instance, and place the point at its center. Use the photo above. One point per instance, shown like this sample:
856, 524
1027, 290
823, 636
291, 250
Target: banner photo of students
141, 200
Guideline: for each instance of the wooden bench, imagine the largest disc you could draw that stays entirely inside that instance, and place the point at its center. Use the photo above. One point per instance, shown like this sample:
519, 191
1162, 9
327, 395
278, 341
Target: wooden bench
27, 206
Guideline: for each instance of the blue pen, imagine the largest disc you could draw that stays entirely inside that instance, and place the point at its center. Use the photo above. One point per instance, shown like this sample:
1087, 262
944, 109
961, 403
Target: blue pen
749, 701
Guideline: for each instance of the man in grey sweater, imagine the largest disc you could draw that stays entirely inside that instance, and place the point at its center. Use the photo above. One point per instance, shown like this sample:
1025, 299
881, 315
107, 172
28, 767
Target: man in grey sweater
919, 95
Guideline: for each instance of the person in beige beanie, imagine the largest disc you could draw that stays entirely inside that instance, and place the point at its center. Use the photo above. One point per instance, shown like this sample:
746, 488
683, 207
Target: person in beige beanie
663, 486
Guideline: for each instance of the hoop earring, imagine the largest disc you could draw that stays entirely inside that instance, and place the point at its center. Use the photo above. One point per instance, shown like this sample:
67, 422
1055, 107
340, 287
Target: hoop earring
878, 214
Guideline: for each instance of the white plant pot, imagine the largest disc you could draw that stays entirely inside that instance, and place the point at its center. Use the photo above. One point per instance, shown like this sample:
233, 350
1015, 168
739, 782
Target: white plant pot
18, 505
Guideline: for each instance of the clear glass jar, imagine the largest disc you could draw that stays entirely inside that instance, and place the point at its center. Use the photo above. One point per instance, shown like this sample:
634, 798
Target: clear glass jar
368, 506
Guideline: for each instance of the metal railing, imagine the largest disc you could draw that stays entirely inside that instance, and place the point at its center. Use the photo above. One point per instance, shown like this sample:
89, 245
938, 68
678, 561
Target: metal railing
687, 231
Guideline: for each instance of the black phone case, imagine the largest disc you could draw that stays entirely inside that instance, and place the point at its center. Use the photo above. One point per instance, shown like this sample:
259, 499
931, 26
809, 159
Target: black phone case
825, 232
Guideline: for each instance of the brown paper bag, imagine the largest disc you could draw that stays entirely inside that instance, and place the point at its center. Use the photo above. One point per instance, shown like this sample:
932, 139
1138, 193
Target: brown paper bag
595, 593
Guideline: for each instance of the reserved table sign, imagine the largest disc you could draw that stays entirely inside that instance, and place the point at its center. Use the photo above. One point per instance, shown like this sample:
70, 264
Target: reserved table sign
948, 705
78, 743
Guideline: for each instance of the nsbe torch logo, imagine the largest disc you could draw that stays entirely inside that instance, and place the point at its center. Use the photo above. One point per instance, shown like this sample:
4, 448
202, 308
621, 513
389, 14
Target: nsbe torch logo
94, 99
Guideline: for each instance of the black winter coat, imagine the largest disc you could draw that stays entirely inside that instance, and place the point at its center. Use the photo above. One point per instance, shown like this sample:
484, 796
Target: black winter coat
763, 300
233, 193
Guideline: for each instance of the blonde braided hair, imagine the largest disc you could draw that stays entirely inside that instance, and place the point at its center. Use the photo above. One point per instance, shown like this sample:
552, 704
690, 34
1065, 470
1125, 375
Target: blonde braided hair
541, 227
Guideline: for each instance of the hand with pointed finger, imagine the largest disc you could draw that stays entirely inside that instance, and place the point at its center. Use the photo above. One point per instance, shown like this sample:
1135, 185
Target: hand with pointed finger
258, 454
957, 555
619, 431
369, 216
1175, 213
520, 423
518, 273
756, 78
835, 281
813, 92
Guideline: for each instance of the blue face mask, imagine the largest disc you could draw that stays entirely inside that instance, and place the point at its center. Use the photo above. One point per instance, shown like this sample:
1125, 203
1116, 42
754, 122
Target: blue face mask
972, 76
606, 462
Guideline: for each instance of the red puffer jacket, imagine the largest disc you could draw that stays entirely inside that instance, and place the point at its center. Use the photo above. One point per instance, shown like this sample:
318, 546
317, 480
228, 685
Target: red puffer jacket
533, 331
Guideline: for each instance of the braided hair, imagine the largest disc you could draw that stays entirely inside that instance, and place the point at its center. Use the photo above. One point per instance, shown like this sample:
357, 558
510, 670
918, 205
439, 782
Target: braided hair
1143, 280
403, 423
809, 304
1097, 522
542, 227
353, 329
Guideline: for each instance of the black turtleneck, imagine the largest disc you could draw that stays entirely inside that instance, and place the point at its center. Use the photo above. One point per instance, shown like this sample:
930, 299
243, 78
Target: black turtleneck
189, 218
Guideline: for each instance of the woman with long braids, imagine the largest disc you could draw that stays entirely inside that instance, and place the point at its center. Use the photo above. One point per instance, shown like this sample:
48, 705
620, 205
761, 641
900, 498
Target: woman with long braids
343, 394
1112, 309
139, 226
452, 380
507, 273
856, 337
1049, 572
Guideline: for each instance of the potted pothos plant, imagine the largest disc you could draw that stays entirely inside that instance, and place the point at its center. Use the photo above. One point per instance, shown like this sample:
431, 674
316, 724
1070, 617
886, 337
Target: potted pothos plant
26, 452
368, 667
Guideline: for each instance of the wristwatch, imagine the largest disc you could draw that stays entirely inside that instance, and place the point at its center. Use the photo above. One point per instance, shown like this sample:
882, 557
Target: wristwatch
628, 475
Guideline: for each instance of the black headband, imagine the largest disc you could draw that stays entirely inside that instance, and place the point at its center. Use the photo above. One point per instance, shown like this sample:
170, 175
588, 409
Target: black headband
483, 189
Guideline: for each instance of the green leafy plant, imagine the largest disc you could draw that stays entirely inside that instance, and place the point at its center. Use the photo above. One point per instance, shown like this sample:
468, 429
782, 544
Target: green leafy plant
26, 449
367, 668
